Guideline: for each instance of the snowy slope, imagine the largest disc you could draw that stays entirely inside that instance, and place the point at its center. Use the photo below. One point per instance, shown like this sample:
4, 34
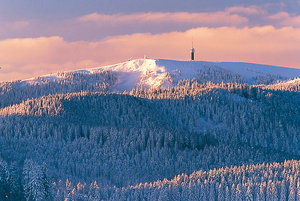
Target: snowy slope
247, 70
150, 73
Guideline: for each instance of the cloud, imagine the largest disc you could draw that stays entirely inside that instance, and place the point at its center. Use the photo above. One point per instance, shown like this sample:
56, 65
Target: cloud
223, 18
279, 16
15, 24
28, 57
275, 5
286, 19
251, 10
13, 27
97, 26
266, 44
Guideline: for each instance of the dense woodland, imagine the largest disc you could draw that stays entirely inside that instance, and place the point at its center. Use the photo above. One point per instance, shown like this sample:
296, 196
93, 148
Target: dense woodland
68, 82
72, 139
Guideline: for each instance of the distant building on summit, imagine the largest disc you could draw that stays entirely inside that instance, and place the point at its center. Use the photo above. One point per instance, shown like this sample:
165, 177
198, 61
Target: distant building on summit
192, 53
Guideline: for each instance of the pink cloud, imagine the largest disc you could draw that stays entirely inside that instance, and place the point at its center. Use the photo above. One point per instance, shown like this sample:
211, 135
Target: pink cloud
28, 57
266, 45
11, 27
286, 19
275, 5
179, 17
251, 10
97, 26
279, 16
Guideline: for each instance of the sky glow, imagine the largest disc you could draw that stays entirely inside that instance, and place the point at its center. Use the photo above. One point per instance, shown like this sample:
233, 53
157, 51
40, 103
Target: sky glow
38, 38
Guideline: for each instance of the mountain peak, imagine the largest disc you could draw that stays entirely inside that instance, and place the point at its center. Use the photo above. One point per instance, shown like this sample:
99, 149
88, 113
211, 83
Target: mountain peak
153, 73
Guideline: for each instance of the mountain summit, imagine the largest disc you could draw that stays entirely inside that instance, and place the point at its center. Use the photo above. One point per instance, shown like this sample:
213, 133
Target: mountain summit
151, 73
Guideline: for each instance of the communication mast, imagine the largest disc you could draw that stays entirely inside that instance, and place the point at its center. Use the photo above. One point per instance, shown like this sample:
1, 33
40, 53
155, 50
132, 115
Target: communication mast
192, 53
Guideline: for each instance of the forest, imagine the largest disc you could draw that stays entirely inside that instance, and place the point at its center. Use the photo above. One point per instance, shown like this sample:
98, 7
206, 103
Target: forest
210, 138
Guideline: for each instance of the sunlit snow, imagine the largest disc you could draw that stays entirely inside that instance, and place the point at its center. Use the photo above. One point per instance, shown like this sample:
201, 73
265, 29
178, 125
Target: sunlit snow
151, 73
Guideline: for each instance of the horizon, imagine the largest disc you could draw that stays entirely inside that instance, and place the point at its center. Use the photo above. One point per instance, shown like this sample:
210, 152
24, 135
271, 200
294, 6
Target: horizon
143, 58
169, 65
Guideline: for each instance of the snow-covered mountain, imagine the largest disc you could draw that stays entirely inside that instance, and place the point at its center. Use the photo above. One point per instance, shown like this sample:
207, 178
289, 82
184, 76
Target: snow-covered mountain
151, 73
72, 138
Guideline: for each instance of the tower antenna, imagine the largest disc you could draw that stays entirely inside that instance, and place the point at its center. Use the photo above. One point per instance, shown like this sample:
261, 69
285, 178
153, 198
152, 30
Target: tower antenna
192, 52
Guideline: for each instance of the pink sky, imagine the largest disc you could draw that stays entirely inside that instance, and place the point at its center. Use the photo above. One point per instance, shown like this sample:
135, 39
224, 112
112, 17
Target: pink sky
246, 34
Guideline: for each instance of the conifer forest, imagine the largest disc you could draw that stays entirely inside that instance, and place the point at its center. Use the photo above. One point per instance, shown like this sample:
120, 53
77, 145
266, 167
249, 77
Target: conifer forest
215, 137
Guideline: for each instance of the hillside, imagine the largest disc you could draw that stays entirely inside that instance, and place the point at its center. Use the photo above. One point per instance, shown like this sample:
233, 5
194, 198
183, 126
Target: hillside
169, 136
144, 73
